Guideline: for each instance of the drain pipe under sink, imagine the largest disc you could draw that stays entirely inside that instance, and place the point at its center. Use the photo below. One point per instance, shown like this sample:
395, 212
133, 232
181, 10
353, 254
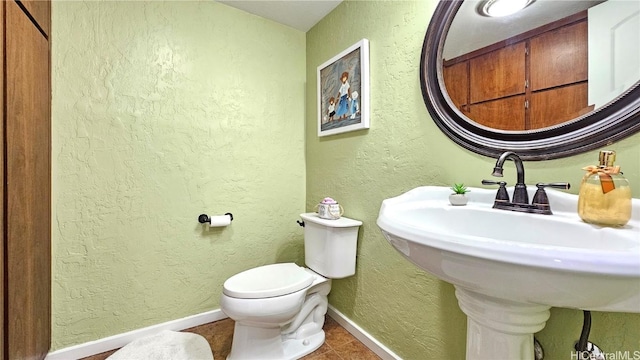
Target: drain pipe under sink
585, 349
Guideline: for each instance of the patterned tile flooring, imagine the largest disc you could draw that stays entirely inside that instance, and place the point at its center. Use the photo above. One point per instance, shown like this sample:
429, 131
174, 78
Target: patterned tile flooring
339, 343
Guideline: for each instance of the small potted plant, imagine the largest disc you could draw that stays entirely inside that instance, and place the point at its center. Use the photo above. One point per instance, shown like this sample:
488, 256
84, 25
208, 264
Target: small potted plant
459, 197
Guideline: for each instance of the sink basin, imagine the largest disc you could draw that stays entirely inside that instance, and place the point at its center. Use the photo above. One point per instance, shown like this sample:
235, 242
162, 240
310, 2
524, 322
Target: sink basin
540, 259
517, 264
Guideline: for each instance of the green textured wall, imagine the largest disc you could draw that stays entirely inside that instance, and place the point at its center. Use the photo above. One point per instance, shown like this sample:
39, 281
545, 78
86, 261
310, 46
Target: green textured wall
411, 312
162, 111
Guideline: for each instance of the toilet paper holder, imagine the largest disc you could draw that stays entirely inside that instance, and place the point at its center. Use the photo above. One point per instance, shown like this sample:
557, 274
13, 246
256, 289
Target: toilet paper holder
204, 218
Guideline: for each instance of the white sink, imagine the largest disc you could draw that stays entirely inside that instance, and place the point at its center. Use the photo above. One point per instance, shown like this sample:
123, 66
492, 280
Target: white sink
511, 267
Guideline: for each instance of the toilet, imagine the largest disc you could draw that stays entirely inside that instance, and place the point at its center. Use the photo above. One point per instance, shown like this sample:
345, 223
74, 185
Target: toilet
279, 309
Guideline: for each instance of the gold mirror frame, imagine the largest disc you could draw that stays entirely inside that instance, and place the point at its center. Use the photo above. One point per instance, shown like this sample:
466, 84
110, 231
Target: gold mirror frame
614, 121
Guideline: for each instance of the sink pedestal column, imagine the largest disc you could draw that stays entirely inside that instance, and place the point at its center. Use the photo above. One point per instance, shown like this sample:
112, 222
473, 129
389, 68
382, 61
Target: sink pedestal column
500, 329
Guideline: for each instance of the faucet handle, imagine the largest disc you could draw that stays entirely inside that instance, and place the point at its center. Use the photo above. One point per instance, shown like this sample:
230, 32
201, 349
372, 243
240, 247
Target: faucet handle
502, 196
540, 199
491, 182
555, 185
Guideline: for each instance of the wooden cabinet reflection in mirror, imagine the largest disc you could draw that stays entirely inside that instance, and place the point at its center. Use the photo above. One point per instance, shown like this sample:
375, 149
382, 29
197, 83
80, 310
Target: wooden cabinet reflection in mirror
530, 81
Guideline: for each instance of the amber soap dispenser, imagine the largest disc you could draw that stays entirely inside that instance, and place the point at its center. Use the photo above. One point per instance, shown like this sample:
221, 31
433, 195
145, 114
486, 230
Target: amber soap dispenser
605, 195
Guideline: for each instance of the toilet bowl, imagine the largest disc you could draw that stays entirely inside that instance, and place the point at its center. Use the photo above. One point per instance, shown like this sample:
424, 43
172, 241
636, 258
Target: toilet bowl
261, 330
279, 309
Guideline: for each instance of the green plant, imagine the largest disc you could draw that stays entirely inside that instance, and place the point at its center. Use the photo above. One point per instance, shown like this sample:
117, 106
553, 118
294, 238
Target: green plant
459, 189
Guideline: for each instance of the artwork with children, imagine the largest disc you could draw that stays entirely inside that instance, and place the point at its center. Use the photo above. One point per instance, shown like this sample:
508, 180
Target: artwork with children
340, 85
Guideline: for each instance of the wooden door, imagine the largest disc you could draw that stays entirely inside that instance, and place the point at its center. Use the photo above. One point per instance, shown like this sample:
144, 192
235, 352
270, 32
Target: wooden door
559, 57
28, 188
498, 74
503, 114
456, 81
3, 289
558, 105
40, 10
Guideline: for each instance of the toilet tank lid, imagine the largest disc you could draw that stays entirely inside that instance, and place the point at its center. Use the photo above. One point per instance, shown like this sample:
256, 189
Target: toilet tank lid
342, 222
268, 281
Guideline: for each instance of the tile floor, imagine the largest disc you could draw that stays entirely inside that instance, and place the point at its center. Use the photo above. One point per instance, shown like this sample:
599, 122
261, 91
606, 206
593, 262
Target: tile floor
339, 343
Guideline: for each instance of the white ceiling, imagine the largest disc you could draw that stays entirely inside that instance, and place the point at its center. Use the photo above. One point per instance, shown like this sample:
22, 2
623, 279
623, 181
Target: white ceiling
304, 14
298, 14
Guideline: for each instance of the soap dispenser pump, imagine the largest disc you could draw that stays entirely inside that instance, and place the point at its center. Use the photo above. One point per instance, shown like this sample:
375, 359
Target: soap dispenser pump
605, 195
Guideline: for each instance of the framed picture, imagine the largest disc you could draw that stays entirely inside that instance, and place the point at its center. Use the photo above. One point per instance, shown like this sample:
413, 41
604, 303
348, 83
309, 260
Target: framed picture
343, 91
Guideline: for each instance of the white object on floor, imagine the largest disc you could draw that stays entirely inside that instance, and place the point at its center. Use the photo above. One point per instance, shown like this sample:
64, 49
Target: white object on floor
166, 345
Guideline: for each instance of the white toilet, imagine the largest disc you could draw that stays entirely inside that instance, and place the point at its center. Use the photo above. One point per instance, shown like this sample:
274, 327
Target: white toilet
279, 309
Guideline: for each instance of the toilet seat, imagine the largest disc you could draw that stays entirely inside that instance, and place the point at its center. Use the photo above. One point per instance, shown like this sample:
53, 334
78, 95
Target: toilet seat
268, 281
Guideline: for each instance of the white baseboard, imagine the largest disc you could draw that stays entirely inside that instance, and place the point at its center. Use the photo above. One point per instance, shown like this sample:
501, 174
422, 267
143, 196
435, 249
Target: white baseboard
120, 340
117, 341
364, 337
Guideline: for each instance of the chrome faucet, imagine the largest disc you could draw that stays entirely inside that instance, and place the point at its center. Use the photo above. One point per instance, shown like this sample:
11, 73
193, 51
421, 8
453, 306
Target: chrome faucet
520, 195
520, 200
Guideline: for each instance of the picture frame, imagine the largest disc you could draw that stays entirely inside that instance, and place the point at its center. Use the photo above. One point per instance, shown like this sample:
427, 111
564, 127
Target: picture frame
343, 101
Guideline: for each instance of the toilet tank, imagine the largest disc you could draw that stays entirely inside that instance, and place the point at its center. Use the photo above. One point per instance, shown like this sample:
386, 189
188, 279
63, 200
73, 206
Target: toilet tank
330, 245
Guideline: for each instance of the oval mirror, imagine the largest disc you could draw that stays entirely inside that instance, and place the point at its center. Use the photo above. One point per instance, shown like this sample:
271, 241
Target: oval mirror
558, 78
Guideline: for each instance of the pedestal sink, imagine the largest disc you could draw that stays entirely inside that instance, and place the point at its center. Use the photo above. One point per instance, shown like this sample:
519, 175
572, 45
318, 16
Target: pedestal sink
509, 268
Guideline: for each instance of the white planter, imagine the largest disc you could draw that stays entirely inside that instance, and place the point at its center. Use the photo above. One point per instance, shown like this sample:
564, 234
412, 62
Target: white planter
458, 199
